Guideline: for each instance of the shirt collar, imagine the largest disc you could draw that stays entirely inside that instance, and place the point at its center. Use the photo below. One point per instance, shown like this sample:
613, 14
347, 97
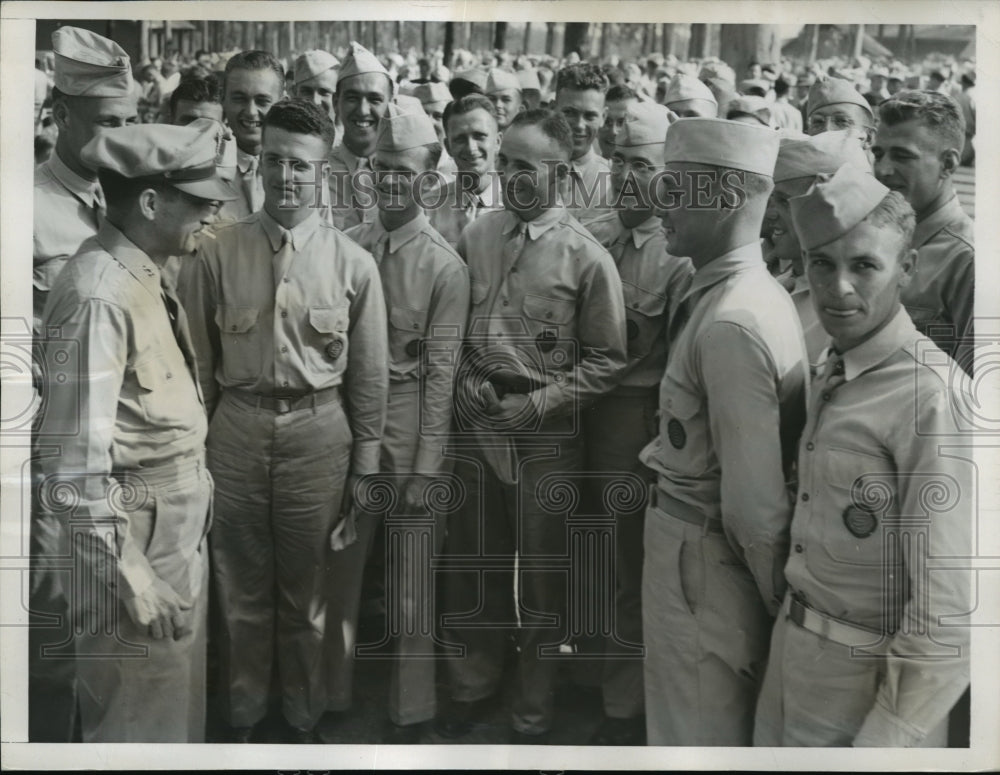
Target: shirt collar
131, 256
244, 161
300, 233
347, 156
540, 225
740, 259
937, 220
399, 237
645, 231
584, 161
898, 333
83, 189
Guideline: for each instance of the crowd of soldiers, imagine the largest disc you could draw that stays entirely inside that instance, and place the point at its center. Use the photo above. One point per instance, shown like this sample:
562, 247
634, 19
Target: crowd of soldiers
304, 307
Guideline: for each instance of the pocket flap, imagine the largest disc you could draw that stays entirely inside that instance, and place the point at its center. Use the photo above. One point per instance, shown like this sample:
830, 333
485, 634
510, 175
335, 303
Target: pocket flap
409, 320
328, 320
871, 480
680, 402
237, 320
546, 310
151, 373
480, 290
645, 302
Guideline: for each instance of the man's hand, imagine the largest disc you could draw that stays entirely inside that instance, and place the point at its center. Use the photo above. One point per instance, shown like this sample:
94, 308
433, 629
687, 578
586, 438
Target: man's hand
165, 613
513, 409
413, 493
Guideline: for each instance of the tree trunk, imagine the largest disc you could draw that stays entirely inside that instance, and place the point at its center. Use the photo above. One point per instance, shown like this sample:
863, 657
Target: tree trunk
745, 43
696, 47
423, 39
398, 35
526, 42
605, 33
500, 36
859, 41
550, 37
575, 38
449, 43
814, 44
668, 39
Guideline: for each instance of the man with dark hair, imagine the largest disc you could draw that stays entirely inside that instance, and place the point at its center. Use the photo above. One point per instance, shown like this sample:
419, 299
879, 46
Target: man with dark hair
289, 325
580, 93
785, 114
472, 137
203, 58
364, 90
252, 83
93, 93
862, 653
617, 100
732, 403
917, 150
195, 98
426, 288
546, 336
129, 418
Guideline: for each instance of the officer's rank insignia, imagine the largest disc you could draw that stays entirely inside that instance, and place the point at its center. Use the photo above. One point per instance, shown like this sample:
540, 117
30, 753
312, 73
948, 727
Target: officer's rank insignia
413, 348
334, 349
546, 340
676, 433
631, 329
861, 523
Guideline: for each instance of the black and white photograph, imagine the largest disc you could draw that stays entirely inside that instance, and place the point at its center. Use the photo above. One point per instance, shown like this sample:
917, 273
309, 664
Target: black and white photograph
603, 386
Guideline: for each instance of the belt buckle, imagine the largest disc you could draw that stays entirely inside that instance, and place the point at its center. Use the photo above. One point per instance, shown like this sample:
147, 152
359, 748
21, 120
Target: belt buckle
283, 405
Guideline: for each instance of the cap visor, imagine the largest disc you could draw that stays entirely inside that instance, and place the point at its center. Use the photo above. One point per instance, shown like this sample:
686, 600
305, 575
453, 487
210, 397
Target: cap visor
210, 189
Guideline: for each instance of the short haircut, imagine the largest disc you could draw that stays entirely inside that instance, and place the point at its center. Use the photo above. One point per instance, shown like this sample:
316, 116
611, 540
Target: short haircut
552, 123
620, 92
434, 151
254, 60
939, 113
581, 77
894, 211
781, 87
194, 89
300, 116
614, 75
120, 192
198, 54
467, 104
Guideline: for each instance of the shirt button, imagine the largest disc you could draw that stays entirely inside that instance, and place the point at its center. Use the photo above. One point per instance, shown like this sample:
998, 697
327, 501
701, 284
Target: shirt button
285, 280
810, 446
416, 326
798, 548
169, 375
285, 383
826, 396
284, 313
284, 348
506, 303
234, 328
805, 496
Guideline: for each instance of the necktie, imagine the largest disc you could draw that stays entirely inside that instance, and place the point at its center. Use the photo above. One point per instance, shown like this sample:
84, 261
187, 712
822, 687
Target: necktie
283, 258
379, 249
97, 206
514, 246
253, 186
617, 248
679, 317
179, 325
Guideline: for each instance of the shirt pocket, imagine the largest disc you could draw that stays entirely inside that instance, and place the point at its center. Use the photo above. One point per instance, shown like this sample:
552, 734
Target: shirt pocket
480, 290
241, 346
326, 340
684, 428
862, 498
406, 329
644, 319
166, 391
548, 322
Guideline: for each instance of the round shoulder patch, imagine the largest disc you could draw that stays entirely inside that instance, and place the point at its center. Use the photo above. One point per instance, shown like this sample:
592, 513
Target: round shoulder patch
676, 433
861, 523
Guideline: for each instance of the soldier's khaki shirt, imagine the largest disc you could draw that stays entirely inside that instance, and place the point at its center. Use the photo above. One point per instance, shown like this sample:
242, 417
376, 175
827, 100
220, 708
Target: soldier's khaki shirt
588, 186
249, 187
321, 325
460, 208
941, 294
555, 308
66, 214
120, 393
885, 493
732, 405
426, 287
351, 193
653, 282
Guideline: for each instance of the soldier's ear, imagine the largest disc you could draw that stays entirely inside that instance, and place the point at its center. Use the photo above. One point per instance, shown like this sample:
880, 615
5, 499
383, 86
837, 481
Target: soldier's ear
950, 159
60, 113
149, 202
908, 266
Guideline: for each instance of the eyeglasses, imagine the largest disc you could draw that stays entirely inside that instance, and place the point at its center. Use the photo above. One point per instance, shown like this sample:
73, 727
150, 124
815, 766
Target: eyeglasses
636, 166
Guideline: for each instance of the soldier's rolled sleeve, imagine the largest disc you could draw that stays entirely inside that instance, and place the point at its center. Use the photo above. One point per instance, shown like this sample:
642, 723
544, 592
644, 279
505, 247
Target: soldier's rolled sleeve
601, 341
740, 384
88, 400
446, 324
196, 289
920, 685
367, 376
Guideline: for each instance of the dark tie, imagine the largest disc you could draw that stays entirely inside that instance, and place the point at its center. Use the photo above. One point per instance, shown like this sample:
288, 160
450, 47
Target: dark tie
179, 326
514, 246
283, 258
617, 248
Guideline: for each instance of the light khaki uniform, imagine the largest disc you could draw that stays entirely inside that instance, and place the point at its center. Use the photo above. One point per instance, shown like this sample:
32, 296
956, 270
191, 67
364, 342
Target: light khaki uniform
460, 208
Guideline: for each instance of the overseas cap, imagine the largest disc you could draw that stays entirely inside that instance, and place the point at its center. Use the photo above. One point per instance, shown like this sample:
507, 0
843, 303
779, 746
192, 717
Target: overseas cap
807, 157
750, 105
834, 205
89, 65
498, 80
755, 83
474, 75
722, 143
429, 93
835, 91
687, 87
646, 123
313, 63
359, 61
184, 156
404, 127
528, 78
718, 70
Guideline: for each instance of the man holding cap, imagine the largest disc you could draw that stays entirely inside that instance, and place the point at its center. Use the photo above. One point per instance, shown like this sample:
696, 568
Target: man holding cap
315, 79
93, 92
864, 652
732, 403
364, 90
503, 88
835, 104
473, 138
426, 288
130, 424
289, 324
688, 97
621, 423
800, 160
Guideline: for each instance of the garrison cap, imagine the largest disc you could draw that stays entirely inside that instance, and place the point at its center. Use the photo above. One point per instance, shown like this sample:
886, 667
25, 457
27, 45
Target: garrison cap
404, 127
431, 93
646, 123
834, 205
717, 70
687, 87
750, 105
499, 80
722, 143
807, 157
359, 61
835, 91
528, 78
761, 84
474, 75
313, 63
89, 65
183, 156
